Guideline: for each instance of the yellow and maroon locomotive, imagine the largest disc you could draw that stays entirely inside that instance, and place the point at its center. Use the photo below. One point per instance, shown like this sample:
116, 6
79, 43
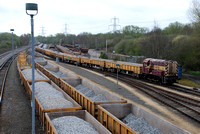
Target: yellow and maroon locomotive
164, 71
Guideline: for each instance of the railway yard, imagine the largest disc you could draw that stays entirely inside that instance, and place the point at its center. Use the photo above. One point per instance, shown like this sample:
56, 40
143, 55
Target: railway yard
92, 95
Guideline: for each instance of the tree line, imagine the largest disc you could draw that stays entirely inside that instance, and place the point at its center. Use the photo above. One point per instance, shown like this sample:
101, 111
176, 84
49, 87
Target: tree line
177, 41
6, 40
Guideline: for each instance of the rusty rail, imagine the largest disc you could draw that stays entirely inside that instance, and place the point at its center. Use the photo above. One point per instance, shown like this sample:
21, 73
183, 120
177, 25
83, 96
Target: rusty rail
185, 105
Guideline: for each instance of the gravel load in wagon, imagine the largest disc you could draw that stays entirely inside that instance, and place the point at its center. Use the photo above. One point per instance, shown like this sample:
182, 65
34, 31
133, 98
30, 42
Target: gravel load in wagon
132, 119
67, 73
73, 125
59, 74
51, 67
28, 74
140, 125
49, 97
73, 122
57, 71
41, 61
90, 93
93, 91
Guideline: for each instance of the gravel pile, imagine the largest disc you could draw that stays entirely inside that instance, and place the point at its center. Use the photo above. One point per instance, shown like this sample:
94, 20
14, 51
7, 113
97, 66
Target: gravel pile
73, 125
51, 67
41, 61
78, 87
48, 66
28, 75
90, 93
140, 125
49, 97
86, 91
99, 97
51, 103
59, 74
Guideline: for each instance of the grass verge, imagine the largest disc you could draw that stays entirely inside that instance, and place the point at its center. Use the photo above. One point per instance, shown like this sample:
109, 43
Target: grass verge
187, 82
194, 72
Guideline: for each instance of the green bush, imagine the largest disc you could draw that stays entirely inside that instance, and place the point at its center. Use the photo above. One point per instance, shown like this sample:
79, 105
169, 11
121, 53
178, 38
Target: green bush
103, 55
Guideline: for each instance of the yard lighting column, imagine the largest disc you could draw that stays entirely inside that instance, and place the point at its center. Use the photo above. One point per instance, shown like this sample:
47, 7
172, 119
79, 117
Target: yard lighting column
32, 10
117, 73
13, 55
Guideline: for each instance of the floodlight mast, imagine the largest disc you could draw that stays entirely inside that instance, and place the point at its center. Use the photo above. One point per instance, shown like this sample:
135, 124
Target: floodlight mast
12, 30
32, 10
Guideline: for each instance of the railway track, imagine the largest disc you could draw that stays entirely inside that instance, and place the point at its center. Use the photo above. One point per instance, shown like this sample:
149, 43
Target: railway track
173, 87
185, 90
4, 54
187, 106
4, 67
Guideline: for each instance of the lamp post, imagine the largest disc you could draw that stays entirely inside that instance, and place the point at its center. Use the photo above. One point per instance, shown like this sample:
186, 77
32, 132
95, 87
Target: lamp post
117, 73
106, 46
13, 55
32, 10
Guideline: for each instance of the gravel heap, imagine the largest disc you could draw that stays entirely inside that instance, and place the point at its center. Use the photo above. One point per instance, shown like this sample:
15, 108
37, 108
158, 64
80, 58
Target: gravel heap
99, 97
78, 87
85, 90
59, 74
90, 93
73, 125
51, 67
39, 59
28, 75
48, 66
49, 97
140, 125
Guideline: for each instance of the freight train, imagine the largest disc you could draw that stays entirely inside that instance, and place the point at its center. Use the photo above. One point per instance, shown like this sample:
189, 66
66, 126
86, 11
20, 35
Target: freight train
53, 91
162, 71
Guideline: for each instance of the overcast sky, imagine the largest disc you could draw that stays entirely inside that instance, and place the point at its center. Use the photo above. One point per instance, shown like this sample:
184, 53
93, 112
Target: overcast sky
92, 16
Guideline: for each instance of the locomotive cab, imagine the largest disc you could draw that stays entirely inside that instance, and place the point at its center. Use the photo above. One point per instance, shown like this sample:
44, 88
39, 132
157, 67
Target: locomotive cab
146, 66
158, 70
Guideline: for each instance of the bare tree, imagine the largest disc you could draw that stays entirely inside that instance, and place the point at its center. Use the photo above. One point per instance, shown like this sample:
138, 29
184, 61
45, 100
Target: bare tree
194, 11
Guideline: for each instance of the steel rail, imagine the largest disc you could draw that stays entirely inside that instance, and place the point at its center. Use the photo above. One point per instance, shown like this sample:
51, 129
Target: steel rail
5, 76
186, 90
163, 98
